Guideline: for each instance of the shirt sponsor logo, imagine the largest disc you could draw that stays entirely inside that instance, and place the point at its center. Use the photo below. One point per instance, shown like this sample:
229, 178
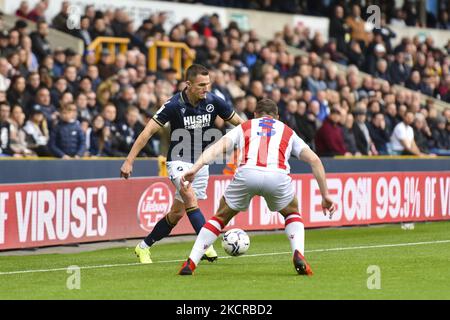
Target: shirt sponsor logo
195, 122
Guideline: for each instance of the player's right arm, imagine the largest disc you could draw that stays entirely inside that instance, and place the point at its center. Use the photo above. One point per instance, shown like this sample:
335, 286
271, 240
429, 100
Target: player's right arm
208, 156
150, 129
162, 116
226, 143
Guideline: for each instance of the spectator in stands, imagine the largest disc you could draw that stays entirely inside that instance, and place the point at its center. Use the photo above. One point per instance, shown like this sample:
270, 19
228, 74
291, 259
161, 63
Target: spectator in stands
13, 43
338, 29
92, 105
251, 106
379, 134
4, 41
59, 22
30, 60
99, 29
18, 135
109, 114
93, 74
385, 32
329, 140
59, 62
16, 93
399, 18
40, 44
444, 21
357, 26
355, 54
105, 66
402, 138
422, 133
130, 130
98, 138
22, 27
347, 123
67, 140
399, 71
5, 74
83, 32
364, 143
5, 130
48, 109
440, 144
71, 76
374, 56
290, 114
38, 12
314, 82
305, 124
23, 9
219, 88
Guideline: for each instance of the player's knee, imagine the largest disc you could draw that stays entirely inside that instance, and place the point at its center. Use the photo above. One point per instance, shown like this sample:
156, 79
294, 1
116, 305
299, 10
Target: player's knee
188, 197
290, 208
225, 213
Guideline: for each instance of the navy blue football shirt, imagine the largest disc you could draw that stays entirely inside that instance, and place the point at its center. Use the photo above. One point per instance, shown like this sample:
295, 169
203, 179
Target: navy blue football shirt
191, 127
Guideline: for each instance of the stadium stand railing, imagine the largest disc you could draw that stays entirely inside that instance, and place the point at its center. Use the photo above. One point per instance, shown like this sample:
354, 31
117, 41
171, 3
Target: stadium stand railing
173, 51
111, 43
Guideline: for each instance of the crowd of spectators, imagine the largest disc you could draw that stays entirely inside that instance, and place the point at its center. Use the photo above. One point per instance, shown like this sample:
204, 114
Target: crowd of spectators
60, 103
407, 14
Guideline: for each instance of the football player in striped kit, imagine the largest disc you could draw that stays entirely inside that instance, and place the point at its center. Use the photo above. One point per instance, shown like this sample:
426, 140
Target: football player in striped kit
265, 146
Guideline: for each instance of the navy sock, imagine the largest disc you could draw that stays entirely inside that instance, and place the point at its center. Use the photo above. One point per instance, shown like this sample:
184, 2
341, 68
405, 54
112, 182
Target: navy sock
161, 230
196, 218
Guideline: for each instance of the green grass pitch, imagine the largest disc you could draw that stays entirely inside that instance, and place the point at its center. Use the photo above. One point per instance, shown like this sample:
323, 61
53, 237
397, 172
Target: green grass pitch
412, 264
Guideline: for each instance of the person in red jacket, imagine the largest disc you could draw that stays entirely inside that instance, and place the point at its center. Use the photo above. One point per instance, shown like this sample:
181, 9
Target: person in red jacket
329, 139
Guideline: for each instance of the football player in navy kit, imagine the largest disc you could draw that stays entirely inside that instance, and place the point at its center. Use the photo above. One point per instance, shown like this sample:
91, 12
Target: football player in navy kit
191, 114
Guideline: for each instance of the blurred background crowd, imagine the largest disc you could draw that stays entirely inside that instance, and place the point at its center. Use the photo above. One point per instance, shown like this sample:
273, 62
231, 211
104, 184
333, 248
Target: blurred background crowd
69, 105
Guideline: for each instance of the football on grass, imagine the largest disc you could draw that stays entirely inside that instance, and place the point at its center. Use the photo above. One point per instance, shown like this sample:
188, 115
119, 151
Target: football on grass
235, 242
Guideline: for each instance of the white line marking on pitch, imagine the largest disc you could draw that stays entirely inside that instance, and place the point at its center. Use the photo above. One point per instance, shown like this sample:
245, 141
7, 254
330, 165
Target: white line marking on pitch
227, 257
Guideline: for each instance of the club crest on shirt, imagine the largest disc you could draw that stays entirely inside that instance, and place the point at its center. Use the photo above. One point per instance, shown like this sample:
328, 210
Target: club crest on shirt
210, 108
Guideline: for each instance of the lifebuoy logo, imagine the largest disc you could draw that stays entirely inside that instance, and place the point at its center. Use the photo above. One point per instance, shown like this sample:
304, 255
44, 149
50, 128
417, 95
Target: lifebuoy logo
154, 203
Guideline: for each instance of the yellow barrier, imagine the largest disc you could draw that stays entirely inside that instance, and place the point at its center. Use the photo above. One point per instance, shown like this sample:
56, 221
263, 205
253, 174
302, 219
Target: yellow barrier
177, 49
111, 42
162, 165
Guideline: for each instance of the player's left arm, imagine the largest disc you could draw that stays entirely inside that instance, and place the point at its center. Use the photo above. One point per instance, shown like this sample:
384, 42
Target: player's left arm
304, 153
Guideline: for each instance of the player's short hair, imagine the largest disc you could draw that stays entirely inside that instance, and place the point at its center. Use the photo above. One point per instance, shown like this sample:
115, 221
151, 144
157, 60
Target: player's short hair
266, 107
194, 70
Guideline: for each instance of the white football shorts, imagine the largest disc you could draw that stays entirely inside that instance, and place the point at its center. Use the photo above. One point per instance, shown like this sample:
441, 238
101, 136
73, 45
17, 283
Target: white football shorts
275, 187
176, 169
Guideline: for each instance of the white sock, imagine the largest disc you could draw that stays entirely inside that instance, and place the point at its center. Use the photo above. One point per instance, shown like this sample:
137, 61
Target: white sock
206, 237
143, 245
295, 231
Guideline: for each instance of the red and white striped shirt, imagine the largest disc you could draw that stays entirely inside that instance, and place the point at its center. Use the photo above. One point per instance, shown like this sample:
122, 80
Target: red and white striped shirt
266, 143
